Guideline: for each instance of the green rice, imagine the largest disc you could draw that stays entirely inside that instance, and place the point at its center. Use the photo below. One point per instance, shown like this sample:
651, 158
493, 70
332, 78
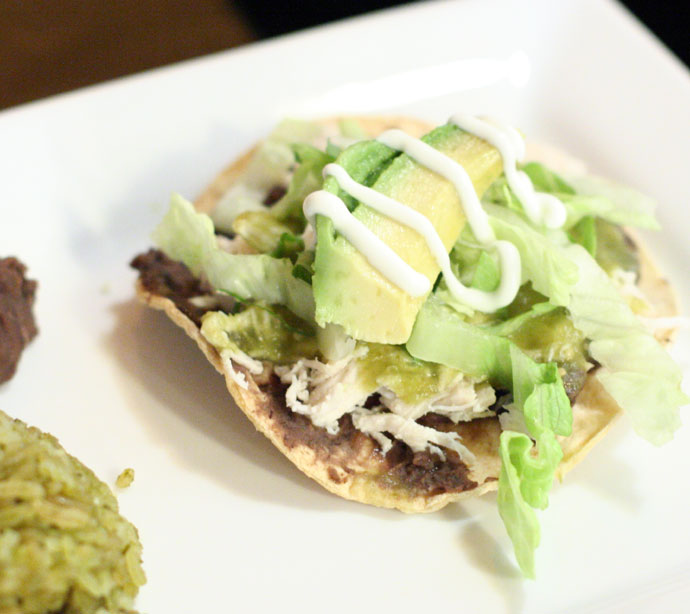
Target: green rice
125, 479
63, 545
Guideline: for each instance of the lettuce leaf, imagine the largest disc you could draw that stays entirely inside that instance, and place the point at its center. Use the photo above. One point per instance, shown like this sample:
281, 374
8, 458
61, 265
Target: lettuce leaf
538, 391
306, 179
543, 261
585, 233
440, 335
545, 180
588, 195
188, 236
611, 201
520, 520
487, 274
261, 230
269, 166
584, 195
474, 266
185, 235
636, 371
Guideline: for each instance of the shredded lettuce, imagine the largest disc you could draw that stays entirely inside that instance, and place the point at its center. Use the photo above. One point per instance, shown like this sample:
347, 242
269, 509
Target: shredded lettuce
306, 179
440, 335
584, 195
520, 520
289, 246
543, 261
188, 236
185, 235
260, 229
474, 266
545, 180
611, 201
487, 274
269, 166
351, 131
636, 371
585, 233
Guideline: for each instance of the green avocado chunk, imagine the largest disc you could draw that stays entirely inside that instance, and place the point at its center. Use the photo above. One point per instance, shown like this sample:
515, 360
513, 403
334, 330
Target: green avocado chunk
347, 290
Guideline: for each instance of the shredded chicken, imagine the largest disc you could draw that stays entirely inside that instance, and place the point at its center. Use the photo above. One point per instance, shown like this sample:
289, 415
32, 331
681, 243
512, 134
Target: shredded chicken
326, 391
462, 402
213, 302
417, 436
255, 367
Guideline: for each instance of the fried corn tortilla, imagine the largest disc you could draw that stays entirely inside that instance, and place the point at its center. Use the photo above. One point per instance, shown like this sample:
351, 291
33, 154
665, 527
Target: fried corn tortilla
349, 463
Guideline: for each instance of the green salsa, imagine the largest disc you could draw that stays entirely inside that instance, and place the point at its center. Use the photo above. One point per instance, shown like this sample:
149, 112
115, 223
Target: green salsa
551, 337
264, 333
410, 379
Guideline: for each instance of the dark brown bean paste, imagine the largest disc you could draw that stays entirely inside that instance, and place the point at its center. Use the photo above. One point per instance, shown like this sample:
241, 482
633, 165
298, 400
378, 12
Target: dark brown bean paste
421, 473
17, 324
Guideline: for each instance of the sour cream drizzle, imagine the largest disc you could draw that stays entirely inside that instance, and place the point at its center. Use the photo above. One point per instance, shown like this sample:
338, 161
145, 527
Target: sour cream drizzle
378, 253
540, 208
511, 147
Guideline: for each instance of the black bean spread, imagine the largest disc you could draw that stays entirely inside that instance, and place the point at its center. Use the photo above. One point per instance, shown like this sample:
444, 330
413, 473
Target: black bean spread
419, 473
17, 325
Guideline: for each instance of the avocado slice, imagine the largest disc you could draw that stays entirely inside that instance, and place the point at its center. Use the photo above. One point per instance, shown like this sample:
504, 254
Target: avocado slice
347, 290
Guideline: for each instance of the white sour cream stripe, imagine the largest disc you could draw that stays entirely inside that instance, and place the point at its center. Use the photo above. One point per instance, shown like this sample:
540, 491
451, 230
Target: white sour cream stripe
448, 168
378, 253
431, 158
540, 208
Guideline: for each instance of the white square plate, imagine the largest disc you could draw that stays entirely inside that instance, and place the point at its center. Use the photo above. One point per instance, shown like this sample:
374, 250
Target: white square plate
225, 521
